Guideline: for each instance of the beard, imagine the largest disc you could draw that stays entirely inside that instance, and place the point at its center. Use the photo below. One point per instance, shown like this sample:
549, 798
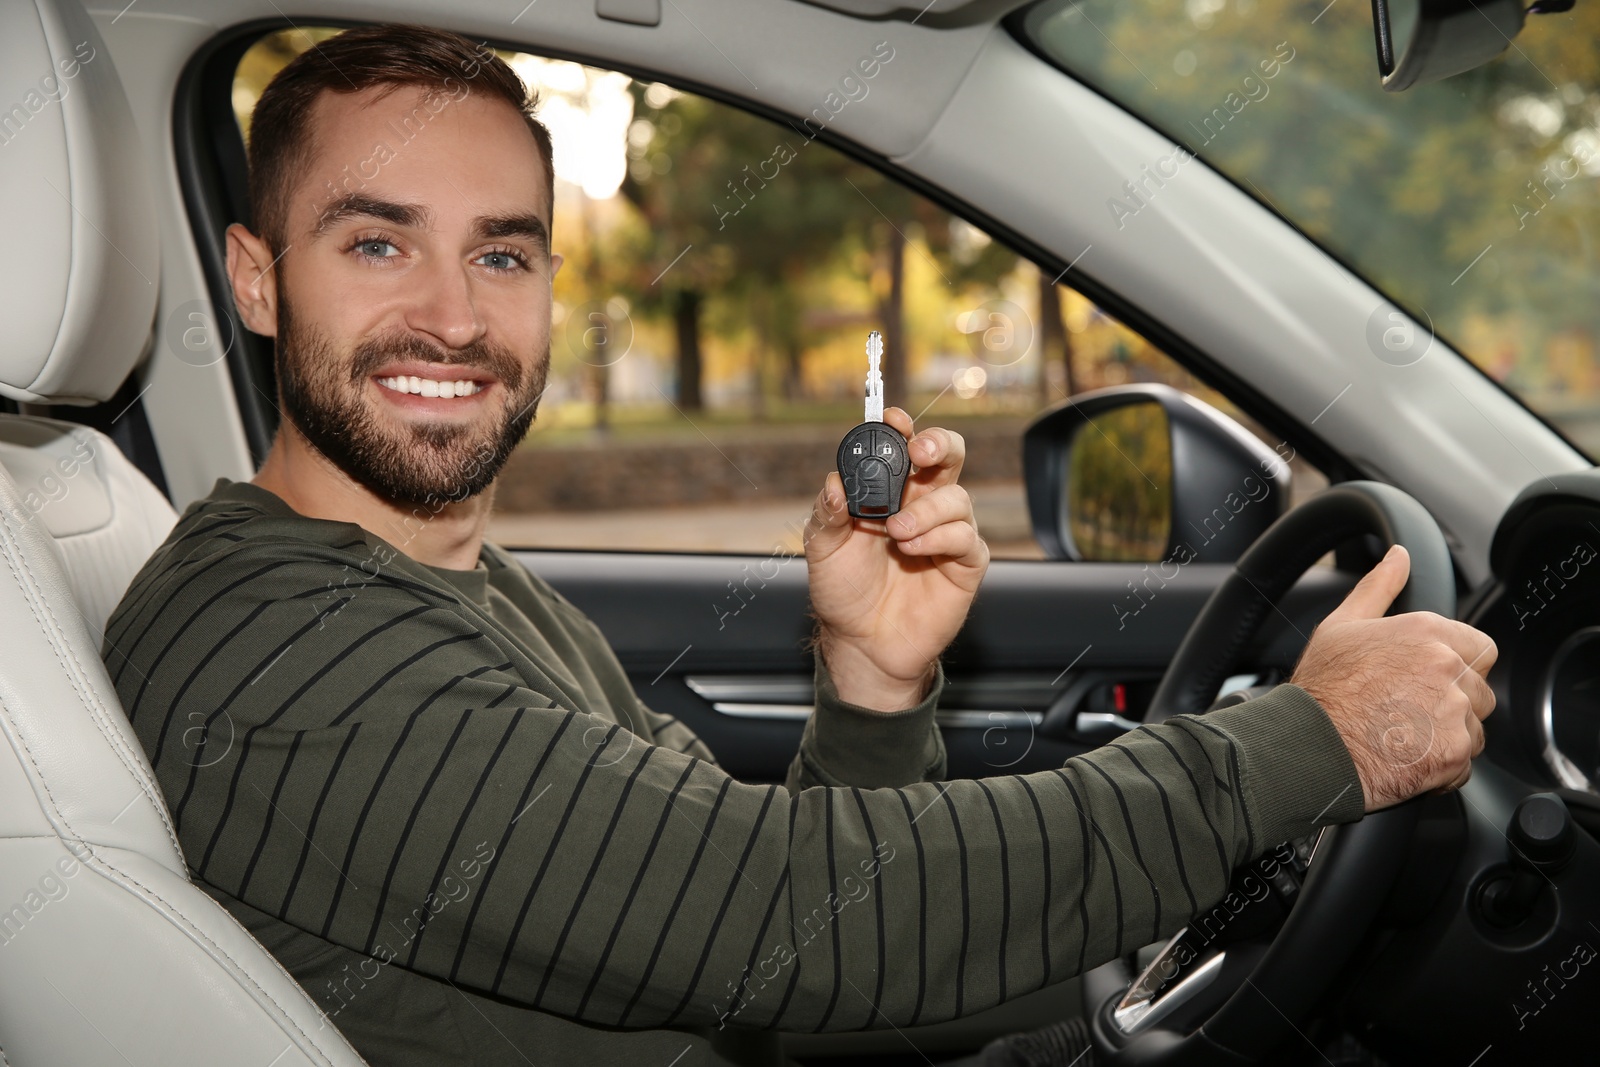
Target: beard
402, 461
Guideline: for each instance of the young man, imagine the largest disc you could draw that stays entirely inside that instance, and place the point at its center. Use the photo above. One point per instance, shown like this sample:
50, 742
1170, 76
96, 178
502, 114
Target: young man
421, 778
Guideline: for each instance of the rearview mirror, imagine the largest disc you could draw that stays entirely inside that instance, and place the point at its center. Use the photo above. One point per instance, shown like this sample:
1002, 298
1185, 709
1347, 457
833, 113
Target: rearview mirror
1421, 41
1145, 473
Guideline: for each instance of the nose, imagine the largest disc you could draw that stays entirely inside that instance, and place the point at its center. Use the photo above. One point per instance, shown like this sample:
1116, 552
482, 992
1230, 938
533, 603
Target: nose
444, 307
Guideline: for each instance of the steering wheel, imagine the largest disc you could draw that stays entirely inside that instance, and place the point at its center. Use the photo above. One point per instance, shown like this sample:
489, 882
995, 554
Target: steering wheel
1352, 866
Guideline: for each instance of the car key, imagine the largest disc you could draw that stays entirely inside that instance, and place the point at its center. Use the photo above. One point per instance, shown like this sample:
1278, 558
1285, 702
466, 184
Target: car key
873, 460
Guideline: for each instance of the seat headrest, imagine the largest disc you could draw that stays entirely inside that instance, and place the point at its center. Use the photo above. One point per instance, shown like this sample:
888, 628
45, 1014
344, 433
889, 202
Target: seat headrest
81, 258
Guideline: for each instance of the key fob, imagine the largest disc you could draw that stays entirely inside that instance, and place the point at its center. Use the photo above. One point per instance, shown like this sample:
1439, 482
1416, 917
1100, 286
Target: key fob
873, 464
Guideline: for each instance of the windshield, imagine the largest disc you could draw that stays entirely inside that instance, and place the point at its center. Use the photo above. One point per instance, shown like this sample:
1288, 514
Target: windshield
1472, 202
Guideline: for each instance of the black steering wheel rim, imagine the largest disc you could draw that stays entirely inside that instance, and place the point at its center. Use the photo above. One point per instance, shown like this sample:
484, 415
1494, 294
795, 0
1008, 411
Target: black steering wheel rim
1354, 864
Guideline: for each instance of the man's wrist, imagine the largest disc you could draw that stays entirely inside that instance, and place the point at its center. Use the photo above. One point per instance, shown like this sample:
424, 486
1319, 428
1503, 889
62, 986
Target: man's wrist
859, 681
1295, 771
847, 745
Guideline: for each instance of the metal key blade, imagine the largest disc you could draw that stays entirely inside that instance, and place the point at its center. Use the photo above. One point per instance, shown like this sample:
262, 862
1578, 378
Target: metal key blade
874, 377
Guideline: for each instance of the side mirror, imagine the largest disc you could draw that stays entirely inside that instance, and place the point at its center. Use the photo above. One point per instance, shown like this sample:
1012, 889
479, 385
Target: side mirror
1145, 473
1421, 41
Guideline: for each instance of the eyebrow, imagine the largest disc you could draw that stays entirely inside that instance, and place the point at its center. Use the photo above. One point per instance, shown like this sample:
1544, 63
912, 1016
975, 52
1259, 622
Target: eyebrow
484, 227
529, 227
359, 205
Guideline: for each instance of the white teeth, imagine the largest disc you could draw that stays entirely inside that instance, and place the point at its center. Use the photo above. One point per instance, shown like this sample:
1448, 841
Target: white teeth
430, 387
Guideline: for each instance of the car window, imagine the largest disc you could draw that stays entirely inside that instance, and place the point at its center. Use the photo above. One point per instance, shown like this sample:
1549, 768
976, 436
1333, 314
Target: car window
707, 345
1472, 202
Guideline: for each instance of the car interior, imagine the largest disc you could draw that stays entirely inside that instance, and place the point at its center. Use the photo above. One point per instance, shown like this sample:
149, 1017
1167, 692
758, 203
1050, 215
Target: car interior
1428, 933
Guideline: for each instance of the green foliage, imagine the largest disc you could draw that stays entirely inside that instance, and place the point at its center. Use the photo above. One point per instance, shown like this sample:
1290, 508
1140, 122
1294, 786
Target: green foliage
1119, 485
770, 213
1407, 187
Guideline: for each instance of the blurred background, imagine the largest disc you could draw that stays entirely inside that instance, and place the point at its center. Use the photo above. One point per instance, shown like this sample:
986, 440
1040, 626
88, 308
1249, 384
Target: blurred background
722, 271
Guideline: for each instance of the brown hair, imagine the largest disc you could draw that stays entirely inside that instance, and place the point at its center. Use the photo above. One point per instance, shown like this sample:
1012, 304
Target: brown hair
393, 55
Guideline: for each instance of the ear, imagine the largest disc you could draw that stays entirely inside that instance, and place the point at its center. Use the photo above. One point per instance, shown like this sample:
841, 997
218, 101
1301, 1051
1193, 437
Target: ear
253, 276
556, 259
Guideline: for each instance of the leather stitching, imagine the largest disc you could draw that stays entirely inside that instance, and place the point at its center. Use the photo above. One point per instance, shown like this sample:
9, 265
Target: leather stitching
107, 870
76, 675
33, 593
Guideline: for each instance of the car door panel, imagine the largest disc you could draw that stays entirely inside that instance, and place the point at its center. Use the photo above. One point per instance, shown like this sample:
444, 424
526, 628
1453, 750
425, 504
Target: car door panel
719, 641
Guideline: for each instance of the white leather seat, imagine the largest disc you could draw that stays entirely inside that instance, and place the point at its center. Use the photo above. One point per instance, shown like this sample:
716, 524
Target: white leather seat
109, 955
103, 515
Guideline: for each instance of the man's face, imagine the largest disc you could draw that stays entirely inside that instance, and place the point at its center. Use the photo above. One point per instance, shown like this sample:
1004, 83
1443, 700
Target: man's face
417, 256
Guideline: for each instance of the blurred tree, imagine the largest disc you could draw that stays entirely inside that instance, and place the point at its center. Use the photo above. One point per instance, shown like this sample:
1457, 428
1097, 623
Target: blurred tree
676, 150
762, 210
1055, 343
1474, 201
1119, 483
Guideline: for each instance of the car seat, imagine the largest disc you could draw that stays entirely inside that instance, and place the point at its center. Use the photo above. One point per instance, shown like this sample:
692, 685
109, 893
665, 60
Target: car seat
109, 955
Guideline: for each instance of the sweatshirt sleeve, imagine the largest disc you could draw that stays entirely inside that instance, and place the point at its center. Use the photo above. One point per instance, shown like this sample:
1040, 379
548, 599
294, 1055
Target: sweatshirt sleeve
848, 745
382, 780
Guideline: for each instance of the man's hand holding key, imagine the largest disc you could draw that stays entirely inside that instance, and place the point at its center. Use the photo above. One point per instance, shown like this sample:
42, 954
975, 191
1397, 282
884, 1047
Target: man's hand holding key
890, 594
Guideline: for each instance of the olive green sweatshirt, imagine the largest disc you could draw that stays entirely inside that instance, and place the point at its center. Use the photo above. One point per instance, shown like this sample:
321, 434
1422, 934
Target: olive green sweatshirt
434, 795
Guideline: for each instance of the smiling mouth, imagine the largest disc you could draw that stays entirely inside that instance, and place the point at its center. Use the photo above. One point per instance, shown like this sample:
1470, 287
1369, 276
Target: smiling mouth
415, 386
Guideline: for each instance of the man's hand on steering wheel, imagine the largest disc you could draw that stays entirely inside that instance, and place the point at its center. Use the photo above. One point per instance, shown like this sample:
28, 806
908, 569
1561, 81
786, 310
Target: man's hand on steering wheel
890, 595
1407, 693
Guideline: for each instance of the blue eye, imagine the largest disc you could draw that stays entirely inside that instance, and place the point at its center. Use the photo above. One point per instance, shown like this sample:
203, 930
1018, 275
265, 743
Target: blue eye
373, 248
502, 261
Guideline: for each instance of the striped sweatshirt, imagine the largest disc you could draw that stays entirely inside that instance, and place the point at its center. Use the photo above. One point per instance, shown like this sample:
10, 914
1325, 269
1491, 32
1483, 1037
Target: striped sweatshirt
434, 795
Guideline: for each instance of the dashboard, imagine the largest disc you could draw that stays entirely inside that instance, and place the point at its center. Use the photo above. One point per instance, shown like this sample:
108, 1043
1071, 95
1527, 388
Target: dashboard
1495, 891
1543, 611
